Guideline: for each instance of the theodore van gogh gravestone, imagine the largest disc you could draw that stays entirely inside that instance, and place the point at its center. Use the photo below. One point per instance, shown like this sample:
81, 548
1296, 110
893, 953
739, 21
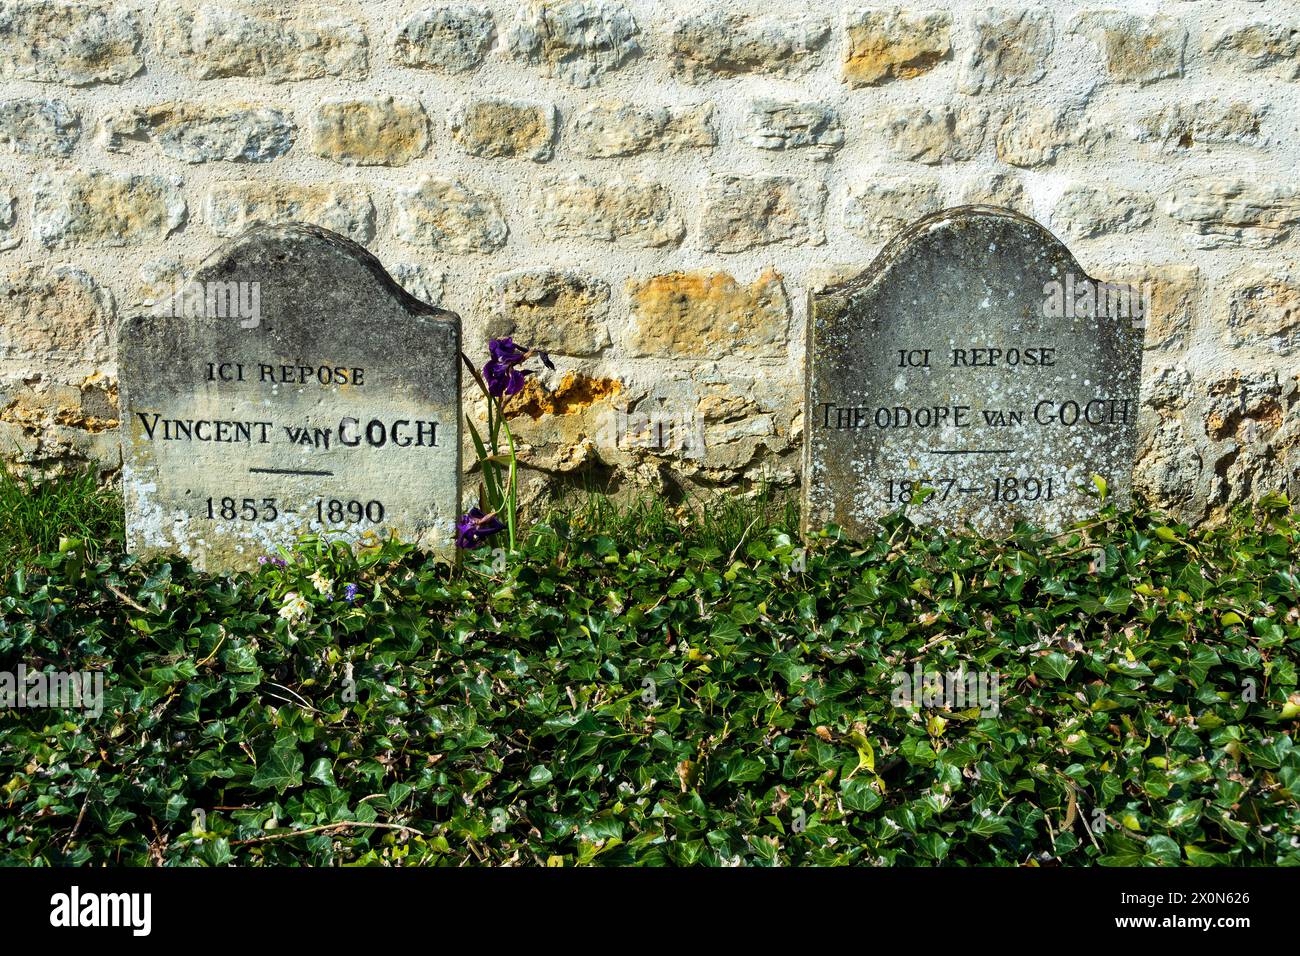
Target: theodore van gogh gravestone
290, 386
977, 359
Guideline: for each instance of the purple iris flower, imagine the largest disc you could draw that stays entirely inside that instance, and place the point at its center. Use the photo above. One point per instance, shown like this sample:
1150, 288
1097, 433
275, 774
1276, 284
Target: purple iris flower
505, 350
502, 373
503, 379
474, 527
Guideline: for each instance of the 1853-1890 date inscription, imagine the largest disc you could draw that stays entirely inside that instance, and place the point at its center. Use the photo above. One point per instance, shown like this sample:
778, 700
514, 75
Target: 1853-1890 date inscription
328, 511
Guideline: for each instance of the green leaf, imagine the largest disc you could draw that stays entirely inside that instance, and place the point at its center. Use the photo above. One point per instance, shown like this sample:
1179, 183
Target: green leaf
1163, 850
1055, 665
860, 795
989, 825
745, 770
281, 767
321, 772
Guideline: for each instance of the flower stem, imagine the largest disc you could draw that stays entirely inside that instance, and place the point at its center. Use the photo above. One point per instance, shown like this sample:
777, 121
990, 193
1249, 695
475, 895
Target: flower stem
512, 496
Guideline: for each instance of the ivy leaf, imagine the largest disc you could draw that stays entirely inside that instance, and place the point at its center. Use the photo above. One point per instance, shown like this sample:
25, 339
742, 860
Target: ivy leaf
1055, 665
321, 772
860, 795
281, 767
990, 825
1164, 850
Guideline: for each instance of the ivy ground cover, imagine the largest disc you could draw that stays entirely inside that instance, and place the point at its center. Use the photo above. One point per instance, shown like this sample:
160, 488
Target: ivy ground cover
657, 697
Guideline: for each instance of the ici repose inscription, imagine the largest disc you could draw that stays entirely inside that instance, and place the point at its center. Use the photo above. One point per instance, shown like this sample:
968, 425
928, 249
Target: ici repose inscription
974, 358
291, 386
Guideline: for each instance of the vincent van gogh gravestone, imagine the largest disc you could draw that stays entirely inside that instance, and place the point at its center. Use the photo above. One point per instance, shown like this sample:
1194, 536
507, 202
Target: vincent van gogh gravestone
975, 359
290, 386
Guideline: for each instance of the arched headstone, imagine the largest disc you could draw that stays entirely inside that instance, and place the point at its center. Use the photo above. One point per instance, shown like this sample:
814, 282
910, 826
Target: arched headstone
975, 358
290, 386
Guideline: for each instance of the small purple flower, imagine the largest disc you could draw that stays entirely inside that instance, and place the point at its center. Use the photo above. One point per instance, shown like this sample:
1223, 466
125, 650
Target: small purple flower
272, 559
503, 379
505, 350
502, 373
350, 593
474, 527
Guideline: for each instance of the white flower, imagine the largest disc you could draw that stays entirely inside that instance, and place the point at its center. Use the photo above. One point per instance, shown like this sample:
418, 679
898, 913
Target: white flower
322, 584
294, 607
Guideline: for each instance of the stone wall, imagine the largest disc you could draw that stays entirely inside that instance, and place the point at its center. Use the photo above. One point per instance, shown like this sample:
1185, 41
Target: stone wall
649, 189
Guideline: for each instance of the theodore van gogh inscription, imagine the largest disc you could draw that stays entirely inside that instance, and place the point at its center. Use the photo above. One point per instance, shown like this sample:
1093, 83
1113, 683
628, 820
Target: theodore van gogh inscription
336, 411
975, 374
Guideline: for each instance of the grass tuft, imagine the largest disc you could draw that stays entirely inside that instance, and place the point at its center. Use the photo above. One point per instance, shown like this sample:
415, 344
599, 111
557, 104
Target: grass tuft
723, 522
36, 515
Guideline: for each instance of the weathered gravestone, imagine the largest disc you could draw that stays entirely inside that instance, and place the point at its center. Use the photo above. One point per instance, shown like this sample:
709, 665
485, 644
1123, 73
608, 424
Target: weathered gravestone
977, 359
290, 386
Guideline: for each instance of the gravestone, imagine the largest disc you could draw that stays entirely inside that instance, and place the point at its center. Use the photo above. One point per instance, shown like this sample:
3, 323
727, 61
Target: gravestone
974, 358
290, 386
